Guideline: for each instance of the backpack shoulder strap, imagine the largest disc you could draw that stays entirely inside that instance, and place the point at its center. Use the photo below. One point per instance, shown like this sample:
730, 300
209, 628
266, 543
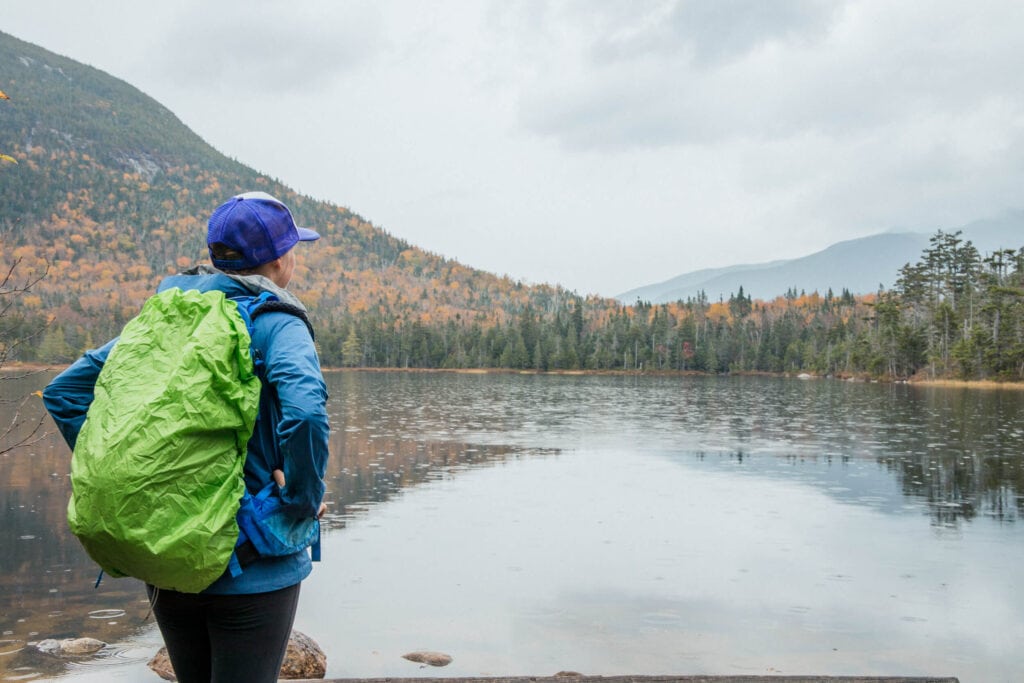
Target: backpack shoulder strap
278, 306
251, 307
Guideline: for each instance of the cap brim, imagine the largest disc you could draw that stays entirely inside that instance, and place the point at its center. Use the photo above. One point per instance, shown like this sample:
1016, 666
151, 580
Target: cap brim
307, 235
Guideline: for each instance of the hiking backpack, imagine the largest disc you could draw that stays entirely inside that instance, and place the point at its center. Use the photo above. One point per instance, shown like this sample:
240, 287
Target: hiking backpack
156, 472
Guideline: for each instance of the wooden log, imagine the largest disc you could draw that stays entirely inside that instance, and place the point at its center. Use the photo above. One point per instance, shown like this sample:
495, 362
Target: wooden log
570, 678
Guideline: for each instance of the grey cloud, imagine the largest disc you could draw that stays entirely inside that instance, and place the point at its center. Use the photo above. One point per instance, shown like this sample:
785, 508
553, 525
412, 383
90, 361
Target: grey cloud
721, 30
664, 73
266, 46
885, 70
616, 115
707, 34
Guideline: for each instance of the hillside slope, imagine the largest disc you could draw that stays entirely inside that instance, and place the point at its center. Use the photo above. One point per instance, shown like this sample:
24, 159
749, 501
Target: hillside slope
111, 192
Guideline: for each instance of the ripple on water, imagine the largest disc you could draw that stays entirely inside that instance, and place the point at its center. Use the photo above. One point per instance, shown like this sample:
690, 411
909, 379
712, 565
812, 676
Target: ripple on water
110, 655
114, 661
661, 619
106, 613
9, 647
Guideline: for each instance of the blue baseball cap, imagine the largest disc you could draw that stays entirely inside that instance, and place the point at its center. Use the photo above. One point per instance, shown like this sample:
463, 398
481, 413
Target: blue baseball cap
257, 226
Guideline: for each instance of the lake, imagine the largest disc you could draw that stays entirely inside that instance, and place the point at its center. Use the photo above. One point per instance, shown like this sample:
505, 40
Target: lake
529, 524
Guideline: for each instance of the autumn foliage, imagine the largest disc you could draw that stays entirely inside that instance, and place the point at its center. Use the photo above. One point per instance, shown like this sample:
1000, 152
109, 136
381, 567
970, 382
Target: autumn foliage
111, 193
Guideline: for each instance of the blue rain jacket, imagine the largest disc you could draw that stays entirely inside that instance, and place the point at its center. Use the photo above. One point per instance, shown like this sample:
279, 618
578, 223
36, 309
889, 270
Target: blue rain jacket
291, 431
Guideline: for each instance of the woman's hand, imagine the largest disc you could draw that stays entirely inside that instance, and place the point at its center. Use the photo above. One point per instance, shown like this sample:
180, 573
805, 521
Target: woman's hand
279, 479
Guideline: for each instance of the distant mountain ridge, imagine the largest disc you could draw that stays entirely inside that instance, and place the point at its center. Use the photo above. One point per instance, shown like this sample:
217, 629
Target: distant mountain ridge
859, 265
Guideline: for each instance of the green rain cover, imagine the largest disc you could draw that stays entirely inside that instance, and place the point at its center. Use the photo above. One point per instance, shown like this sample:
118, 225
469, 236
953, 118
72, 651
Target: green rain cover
157, 469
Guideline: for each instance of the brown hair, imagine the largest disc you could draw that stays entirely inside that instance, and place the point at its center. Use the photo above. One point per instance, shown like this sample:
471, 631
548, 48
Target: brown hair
223, 252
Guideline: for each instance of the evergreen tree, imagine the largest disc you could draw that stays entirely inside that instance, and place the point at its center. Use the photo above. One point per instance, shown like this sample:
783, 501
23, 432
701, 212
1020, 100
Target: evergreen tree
54, 347
352, 350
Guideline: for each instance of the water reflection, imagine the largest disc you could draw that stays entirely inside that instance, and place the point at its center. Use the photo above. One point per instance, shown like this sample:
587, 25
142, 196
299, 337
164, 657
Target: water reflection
954, 455
382, 442
386, 438
957, 449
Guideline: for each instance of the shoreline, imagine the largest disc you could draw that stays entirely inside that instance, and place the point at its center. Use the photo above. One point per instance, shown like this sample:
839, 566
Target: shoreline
968, 384
15, 369
949, 383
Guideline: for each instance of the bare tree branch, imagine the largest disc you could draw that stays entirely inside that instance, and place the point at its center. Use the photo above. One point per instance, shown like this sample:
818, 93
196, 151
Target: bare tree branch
14, 436
21, 431
6, 287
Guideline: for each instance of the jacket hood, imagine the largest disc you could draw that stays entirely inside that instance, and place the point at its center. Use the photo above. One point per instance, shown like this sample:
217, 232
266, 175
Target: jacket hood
205, 278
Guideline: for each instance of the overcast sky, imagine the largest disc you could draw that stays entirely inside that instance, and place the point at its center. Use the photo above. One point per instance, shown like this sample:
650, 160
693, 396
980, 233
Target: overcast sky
596, 144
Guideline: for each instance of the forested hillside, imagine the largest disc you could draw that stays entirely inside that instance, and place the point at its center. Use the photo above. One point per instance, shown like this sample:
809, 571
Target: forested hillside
110, 192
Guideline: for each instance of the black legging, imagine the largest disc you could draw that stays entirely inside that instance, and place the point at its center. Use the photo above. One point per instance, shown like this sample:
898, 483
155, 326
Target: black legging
225, 638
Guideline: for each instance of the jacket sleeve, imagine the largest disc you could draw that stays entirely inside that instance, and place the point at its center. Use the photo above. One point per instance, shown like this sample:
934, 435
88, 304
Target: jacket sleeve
292, 369
68, 396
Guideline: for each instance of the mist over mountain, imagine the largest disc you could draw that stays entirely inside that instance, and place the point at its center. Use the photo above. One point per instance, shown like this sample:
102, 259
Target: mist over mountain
861, 266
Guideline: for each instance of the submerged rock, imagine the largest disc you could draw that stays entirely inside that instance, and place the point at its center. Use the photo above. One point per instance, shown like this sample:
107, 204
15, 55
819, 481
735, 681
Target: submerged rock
427, 657
304, 659
70, 647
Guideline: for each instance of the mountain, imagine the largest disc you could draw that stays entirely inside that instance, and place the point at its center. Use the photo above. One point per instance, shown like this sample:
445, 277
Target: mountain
111, 192
861, 266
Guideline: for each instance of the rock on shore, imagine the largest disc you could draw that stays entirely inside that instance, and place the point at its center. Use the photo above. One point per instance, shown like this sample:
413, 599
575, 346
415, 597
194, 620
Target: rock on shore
304, 659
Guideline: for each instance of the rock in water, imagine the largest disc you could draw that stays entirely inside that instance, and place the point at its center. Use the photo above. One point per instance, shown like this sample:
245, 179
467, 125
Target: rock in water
81, 646
70, 647
431, 658
304, 659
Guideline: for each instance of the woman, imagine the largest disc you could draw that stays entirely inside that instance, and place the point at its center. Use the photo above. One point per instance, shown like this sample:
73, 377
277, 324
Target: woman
238, 628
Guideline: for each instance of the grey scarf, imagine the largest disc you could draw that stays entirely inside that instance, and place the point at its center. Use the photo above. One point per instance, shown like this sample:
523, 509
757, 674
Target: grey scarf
254, 283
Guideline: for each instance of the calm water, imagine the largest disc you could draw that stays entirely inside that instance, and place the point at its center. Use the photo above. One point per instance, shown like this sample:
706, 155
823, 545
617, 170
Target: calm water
608, 525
